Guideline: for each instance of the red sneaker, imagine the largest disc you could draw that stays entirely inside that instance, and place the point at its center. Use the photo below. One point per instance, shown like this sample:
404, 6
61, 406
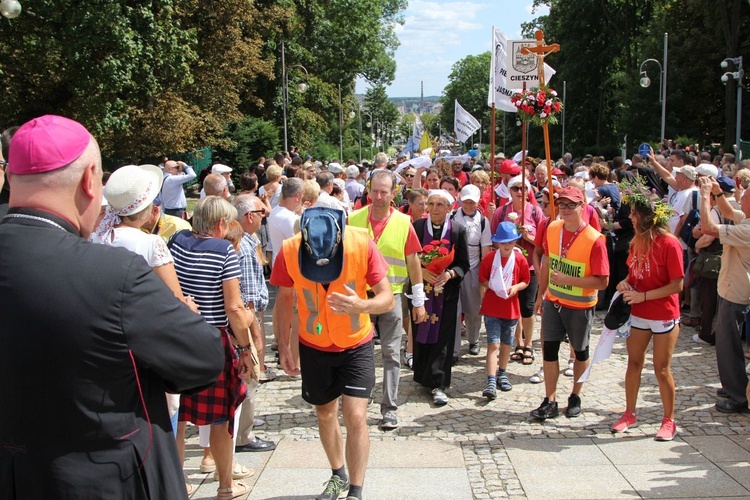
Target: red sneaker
626, 421
667, 431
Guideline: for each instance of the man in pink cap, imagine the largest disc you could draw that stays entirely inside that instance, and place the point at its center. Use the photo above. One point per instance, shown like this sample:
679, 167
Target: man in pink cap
89, 332
576, 267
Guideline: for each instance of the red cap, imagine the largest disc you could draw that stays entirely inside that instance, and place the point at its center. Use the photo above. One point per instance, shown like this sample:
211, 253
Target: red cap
45, 144
572, 193
557, 171
510, 167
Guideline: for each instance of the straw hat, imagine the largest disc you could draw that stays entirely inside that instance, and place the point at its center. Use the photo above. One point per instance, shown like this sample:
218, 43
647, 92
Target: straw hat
132, 188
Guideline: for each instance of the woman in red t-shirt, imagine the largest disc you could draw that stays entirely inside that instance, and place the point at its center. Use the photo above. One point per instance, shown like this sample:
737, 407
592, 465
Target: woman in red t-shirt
651, 288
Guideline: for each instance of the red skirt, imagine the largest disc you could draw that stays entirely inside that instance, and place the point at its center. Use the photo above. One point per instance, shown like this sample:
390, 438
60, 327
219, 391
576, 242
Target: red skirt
218, 402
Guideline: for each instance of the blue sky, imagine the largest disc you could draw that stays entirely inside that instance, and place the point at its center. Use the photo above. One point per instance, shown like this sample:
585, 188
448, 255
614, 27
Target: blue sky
438, 33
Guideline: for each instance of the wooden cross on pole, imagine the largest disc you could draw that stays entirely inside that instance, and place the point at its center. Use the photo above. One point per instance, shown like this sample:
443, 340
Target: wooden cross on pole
540, 50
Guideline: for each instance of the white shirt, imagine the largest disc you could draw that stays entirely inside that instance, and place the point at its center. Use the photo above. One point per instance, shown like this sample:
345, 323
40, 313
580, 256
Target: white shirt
326, 200
354, 189
677, 201
172, 194
280, 227
149, 246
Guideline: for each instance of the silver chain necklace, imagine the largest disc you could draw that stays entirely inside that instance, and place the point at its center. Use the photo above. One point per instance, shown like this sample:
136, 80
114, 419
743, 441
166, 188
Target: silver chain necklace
34, 217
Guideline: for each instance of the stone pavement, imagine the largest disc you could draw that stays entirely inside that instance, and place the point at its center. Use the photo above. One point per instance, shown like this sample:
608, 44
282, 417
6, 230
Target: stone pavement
472, 448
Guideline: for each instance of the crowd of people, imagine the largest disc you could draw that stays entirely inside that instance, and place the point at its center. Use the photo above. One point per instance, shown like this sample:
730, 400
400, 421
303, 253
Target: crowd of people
413, 255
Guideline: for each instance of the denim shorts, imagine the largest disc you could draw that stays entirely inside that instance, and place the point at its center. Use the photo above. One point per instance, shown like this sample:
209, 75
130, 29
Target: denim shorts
500, 330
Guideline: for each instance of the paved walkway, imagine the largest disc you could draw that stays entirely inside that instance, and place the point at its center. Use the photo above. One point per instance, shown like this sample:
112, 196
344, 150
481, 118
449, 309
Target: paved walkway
472, 448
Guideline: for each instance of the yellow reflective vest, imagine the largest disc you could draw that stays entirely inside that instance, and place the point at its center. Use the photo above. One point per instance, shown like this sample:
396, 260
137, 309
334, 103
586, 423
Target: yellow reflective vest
576, 263
391, 243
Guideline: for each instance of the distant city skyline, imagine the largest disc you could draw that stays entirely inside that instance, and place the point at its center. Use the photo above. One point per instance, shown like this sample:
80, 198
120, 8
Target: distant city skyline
438, 33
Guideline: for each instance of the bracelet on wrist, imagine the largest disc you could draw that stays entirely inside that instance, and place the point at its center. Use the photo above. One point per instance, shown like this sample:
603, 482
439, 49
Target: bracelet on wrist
240, 349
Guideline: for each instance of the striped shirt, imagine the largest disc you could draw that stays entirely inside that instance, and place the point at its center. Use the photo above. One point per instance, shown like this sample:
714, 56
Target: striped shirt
202, 265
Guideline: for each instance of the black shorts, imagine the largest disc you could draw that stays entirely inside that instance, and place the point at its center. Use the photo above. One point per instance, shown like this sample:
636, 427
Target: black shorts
328, 375
527, 297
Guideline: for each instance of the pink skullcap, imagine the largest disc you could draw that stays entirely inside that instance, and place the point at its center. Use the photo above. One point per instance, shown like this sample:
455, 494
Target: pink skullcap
46, 143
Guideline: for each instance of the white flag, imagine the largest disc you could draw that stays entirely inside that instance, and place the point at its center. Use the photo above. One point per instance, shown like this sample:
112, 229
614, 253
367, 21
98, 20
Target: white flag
464, 124
501, 90
412, 145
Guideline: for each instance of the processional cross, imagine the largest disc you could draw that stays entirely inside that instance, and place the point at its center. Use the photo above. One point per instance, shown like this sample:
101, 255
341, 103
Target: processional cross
540, 50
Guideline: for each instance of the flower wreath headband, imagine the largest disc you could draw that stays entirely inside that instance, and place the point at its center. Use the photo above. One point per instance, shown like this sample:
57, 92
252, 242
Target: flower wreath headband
637, 193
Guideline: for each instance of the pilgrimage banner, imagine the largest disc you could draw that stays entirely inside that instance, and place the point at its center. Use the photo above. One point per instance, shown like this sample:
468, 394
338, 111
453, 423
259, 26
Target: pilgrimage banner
464, 125
509, 70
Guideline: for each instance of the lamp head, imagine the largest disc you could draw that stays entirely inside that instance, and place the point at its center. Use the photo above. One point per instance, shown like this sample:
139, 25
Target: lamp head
645, 80
302, 87
724, 64
726, 77
10, 9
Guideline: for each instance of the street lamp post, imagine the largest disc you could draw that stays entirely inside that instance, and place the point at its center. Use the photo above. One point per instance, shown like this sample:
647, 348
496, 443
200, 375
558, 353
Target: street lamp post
341, 127
285, 91
359, 119
370, 125
645, 81
737, 77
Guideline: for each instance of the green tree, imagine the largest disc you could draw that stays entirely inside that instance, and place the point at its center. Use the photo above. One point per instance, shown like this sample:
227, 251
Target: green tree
251, 138
467, 83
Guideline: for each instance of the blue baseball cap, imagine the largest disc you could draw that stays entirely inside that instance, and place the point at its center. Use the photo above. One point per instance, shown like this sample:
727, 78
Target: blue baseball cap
726, 184
321, 253
506, 232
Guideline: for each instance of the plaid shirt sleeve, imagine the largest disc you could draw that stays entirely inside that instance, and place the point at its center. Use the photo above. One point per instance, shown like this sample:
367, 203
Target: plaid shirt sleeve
252, 282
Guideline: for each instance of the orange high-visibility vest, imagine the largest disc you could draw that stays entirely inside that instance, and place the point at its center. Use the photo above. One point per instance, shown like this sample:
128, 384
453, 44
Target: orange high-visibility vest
319, 325
576, 263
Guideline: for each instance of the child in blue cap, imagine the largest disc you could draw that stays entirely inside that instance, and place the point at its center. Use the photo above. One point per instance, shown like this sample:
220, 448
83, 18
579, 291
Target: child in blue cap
502, 274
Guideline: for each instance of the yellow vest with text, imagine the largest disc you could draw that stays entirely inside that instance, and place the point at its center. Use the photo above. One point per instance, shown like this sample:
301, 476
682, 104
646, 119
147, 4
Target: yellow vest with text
341, 330
576, 263
391, 243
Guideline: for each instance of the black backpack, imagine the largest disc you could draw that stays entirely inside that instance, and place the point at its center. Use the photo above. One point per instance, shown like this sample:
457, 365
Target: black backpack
692, 220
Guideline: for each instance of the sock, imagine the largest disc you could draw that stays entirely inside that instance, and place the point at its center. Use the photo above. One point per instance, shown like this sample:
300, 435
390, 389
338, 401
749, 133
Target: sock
355, 491
500, 372
491, 380
341, 472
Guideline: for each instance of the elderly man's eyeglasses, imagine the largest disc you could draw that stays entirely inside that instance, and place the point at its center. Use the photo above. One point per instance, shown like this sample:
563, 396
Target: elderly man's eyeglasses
259, 212
515, 189
3, 164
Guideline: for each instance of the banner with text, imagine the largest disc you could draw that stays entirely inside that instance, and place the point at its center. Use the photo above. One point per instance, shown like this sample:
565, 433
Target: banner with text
464, 125
510, 69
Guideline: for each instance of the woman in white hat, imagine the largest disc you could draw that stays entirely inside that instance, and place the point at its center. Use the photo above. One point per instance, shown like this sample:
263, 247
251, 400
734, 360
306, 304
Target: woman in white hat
130, 193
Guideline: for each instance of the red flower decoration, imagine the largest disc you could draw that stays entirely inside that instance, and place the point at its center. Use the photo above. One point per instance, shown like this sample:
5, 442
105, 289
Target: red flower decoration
443, 251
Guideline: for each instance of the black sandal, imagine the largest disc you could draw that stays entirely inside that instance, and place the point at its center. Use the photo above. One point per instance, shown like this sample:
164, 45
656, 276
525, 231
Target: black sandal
528, 358
517, 354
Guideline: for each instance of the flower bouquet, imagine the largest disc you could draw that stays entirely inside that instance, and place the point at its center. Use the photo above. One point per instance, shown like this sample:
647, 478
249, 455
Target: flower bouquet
437, 255
539, 105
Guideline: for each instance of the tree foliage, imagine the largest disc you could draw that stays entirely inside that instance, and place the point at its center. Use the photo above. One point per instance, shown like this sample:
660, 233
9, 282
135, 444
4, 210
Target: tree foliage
603, 44
167, 76
467, 83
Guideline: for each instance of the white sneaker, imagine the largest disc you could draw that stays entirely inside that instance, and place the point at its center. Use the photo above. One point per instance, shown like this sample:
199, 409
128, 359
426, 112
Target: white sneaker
538, 377
569, 370
699, 340
439, 397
